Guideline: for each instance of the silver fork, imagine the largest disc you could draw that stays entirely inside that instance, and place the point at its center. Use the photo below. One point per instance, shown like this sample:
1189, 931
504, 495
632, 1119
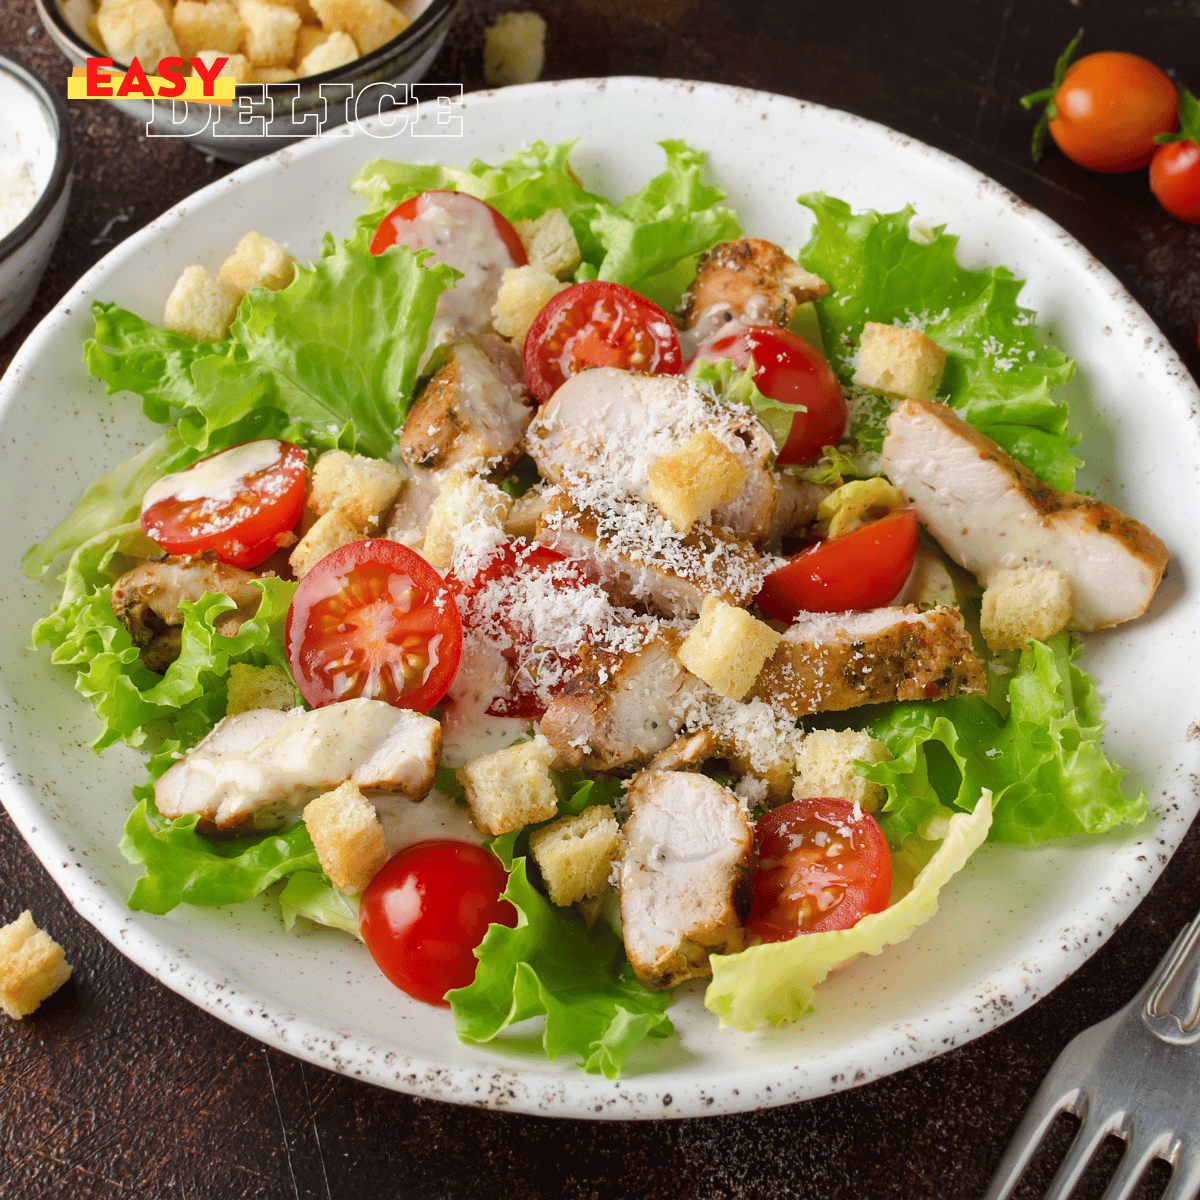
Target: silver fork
1135, 1075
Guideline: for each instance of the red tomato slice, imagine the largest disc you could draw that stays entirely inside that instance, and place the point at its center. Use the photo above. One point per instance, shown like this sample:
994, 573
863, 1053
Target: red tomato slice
410, 224
862, 569
791, 371
235, 503
374, 619
423, 915
1175, 179
598, 324
820, 867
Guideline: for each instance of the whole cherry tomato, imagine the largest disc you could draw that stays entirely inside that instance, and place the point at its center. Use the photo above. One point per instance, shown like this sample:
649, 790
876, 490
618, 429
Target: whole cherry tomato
1175, 168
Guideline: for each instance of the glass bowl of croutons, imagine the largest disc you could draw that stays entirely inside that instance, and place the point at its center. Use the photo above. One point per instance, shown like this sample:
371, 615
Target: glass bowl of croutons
300, 67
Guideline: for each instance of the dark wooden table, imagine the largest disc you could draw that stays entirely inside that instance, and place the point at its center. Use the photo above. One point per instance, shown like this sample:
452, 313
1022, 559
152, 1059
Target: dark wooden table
119, 1088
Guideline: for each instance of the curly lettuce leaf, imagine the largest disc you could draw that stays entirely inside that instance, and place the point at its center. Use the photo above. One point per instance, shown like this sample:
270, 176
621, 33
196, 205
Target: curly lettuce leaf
999, 366
310, 894
1044, 765
724, 381
774, 982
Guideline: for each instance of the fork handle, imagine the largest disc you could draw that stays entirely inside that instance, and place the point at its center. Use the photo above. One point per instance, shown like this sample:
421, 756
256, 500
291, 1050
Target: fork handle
1172, 1007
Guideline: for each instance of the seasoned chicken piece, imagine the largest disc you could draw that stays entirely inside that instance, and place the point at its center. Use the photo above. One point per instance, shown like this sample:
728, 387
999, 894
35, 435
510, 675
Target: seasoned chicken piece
635, 554
472, 412
620, 709
988, 512
750, 281
610, 425
687, 753
685, 867
409, 521
146, 601
257, 769
827, 662
797, 508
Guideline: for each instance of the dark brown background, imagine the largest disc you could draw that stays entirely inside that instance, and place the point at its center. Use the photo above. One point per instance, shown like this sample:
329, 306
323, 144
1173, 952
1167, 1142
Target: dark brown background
119, 1088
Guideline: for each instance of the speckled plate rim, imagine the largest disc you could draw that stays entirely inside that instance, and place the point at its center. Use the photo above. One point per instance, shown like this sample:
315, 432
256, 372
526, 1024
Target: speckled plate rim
500, 1081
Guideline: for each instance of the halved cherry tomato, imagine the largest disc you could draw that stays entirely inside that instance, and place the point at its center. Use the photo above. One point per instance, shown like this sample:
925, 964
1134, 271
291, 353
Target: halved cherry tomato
820, 867
423, 915
791, 371
597, 324
862, 569
409, 224
235, 503
374, 619
1175, 179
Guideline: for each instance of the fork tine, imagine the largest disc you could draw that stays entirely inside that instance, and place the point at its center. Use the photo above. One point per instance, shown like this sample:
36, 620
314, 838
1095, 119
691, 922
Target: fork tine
1092, 1132
1047, 1104
1139, 1152
1185, 1177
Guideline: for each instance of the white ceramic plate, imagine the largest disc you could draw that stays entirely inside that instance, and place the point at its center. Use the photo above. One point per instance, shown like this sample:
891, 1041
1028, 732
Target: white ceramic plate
1013, 924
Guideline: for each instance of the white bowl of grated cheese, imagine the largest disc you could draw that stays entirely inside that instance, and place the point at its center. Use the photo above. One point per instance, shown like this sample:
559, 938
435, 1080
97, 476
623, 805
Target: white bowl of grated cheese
35, 184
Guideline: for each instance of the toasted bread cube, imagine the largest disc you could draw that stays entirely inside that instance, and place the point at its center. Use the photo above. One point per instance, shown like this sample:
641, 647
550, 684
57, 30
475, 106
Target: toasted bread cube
336, 51
347, 837
825, 767
235, 67
201, 305
522, 518
362, 489
214, 25
308, 38
524, 292
1022, 603
370, 23
251, 687
550, 242
727, 648
690, 481
80, 15
32, 966
575, 854
514, 49
510, 788
270, 35
136, 29
258, 262
272, 75
465, 502
327, 534
899, 362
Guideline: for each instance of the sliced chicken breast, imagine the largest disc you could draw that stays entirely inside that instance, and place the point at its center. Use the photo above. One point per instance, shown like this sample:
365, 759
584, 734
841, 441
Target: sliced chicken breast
797, 508
258, 769
827, 662
988, 512
620, 709
608, 426
685, 865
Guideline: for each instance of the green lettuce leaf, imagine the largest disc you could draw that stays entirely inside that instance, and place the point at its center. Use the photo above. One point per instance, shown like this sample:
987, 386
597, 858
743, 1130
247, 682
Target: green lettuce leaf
310, 894
999, 366
1044, 765
724, 381
774, 982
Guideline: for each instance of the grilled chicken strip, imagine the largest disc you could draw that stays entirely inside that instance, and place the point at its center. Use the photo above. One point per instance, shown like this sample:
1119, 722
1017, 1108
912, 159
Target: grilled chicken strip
989, 512
618, 710
146, 601
258, 769
827, 662
636, 555
797, 509
750, 281
686, 860
610, 425
472, 412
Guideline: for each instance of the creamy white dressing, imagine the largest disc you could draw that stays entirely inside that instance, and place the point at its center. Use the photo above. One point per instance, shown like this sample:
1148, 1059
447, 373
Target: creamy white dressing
467, 729
27, 151
405, 822
219, 479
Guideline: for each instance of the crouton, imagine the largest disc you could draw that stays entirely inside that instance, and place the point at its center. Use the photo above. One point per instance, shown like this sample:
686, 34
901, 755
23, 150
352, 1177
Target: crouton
825, 767
514, 49
337, 50
524, 292
361, 489
550, 242
270, 35
214, 25
251, 687
522, 518
370, 23
201, 305
308, 38
136, 29
899, 362
690, 481
32, 966
272, 75
326, 535
465, 501
846, 507
510, 788
79, 14
347, 837
258, 262
235, 67
727, 648
1022, 603
575, 854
